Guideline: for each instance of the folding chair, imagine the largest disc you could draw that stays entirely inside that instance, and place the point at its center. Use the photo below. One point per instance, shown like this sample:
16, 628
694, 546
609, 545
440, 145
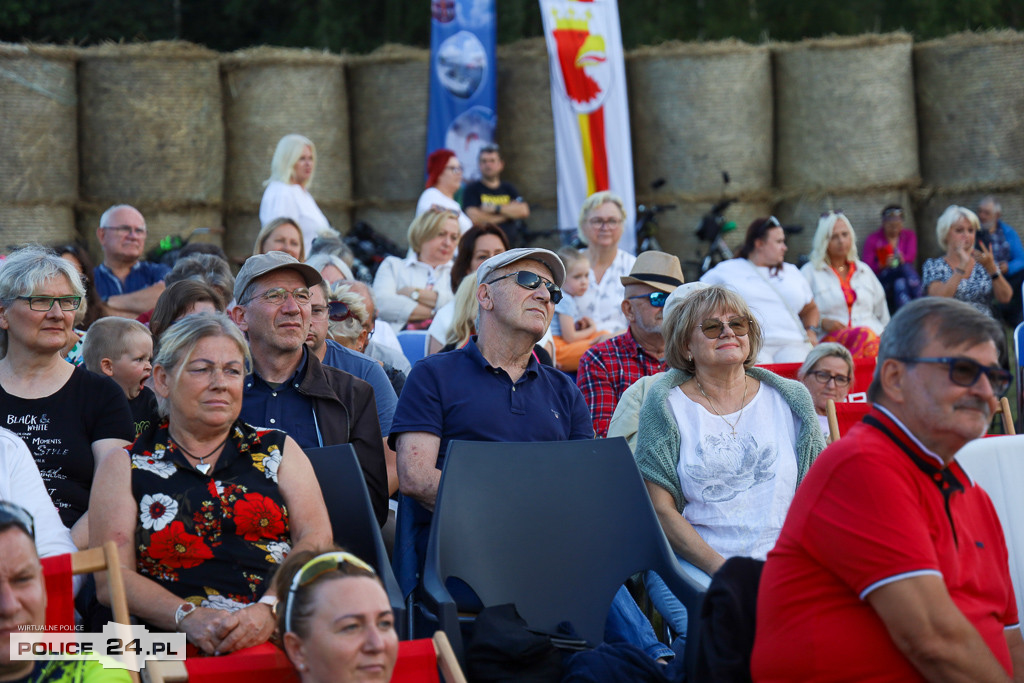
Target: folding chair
57, 572
414, 344
842, 416
352, 519
419, 661
1018, 348
1004, 411
553, 527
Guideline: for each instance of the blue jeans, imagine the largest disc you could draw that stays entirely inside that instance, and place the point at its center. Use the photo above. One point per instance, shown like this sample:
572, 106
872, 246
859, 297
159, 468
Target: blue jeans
626, 623
667, 603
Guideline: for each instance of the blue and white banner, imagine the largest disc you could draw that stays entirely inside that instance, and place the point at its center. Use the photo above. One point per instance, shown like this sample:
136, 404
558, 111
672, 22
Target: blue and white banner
463, 79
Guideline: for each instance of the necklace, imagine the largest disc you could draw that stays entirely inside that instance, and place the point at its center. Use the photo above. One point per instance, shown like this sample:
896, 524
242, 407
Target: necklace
732, 425
202, 465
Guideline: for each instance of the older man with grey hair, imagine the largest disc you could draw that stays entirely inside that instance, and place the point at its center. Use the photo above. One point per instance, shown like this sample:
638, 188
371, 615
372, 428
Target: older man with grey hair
891, 564
128, 284
1008, 253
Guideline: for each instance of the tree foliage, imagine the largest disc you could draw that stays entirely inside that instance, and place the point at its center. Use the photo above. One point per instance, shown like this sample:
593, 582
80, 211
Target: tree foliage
358, 26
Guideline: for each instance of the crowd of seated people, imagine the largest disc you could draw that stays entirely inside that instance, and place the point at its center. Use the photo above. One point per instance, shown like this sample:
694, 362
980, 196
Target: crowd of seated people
184, 443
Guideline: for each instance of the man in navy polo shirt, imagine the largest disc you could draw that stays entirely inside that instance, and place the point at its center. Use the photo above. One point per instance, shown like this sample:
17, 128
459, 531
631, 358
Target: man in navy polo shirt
493, 389
128, 285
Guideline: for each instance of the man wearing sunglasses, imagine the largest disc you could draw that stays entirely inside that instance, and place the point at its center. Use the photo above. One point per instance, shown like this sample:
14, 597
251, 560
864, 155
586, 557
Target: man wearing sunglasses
896, 555
289, 388
493, 389
609, 368
128, 284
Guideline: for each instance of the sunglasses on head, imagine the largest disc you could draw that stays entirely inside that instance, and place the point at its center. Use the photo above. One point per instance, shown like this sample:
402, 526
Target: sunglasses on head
656, 299
964, 372
338, 311
530, 280
712, 328
314, 569
10, 513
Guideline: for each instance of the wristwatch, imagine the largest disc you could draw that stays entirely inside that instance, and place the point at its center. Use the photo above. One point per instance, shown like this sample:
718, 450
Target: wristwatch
271, 601
415, 296
184, 609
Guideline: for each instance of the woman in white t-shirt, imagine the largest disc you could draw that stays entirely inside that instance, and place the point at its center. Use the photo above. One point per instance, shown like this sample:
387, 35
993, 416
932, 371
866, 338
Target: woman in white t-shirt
287, 194
444, 178
722, 444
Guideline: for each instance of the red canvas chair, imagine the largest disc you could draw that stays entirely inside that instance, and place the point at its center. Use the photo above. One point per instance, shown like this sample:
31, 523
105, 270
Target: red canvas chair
842, 416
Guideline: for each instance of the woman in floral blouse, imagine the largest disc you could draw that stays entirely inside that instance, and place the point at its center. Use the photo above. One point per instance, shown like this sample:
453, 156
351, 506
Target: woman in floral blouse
207, 506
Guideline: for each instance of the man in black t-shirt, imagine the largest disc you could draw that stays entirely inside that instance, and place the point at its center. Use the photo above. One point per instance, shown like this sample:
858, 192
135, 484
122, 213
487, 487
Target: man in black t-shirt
489, 200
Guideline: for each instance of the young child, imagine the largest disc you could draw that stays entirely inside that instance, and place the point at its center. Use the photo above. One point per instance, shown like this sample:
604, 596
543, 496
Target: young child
123, 349
573, 334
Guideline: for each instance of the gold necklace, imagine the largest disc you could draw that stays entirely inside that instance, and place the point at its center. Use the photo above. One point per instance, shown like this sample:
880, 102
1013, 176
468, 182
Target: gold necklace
743, 401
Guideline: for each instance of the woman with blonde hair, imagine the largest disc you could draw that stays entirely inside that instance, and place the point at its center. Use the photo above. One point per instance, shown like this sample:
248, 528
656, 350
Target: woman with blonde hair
602, 220
410, 290
281, 234
287, 193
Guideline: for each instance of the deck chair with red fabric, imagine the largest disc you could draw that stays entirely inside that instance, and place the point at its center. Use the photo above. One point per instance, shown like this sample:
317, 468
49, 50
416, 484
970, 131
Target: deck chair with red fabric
60, 599
863, 371
842, 416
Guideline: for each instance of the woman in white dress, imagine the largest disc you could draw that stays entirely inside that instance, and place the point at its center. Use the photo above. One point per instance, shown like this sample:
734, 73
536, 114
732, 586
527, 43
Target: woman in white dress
602, 218
287, 194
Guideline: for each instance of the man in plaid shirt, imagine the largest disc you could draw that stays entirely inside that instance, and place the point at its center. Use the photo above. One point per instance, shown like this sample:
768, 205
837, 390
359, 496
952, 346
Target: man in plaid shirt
609, 368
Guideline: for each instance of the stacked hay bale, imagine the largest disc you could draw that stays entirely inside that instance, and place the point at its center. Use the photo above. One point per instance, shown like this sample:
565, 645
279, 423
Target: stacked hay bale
388, 108
697, 110
38, 145
269, 93
971, 109
152, 135
846, 130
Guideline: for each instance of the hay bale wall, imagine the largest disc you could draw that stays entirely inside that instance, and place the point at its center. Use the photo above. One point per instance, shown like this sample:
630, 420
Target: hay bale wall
269, 93
697, 110
48, 224
971, 108
845, 113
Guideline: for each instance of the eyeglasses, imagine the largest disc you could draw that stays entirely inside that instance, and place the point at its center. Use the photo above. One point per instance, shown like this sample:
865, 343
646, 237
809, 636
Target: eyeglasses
766, 225
45, 303
126, 229
823, 377
528, 280
338, 311
892, 213
453, 169
837, 212
314, 569
656, 299
712, 328
610, 222
17, 515
318, 313
964, 372
278, 295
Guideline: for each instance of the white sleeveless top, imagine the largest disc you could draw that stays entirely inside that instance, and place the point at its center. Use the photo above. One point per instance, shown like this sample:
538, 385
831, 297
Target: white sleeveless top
737, 488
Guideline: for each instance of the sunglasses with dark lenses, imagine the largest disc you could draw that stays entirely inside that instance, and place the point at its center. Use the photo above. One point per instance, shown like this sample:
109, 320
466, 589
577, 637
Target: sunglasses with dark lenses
337, 311
45, 303
19, 516
656, 299
314, 569
712, 329
529, 280
964, 372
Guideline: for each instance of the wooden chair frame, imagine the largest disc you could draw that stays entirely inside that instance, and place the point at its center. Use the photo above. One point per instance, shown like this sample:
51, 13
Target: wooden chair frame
106, 559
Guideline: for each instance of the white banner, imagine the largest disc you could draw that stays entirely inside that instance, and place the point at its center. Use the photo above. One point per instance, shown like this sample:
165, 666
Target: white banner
593, 150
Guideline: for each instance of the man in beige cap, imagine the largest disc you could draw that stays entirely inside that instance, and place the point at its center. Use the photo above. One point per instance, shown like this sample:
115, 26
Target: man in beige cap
609, 368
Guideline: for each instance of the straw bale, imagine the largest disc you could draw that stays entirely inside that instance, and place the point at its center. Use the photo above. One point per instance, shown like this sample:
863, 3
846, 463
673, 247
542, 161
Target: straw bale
931, 206
151, 124
698, 110
863, 209
388, 96
43, 224
269, 93
241, 229
39, 135
971, 106
845, 116
526, 129
391, 220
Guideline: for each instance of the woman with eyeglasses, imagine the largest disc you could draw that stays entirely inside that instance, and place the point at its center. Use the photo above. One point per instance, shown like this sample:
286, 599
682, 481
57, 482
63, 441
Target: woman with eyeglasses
779, 295
444, 178
204, 507
828, 374
890, 252
67, 416
849, 297
335, 619
721, 444
287, 195
602, 218
968, 272
410, 290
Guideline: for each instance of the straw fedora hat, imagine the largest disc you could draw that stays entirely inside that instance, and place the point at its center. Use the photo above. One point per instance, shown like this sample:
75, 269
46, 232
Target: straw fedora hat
657, 269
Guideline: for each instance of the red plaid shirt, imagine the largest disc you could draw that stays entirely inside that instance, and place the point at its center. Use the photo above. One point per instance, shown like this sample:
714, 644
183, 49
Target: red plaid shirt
607, 370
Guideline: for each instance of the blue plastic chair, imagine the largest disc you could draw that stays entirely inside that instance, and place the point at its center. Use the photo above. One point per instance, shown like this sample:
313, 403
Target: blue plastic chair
414, 344
553, 527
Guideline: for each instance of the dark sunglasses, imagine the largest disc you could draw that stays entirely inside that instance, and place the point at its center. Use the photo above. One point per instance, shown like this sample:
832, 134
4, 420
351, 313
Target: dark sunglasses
314, 569
528, 280
712, 328
656, 299
337, 311
11, 513
889, 213
964, 372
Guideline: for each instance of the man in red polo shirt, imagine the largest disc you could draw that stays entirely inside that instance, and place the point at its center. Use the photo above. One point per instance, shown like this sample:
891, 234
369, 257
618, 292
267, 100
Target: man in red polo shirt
891, 565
